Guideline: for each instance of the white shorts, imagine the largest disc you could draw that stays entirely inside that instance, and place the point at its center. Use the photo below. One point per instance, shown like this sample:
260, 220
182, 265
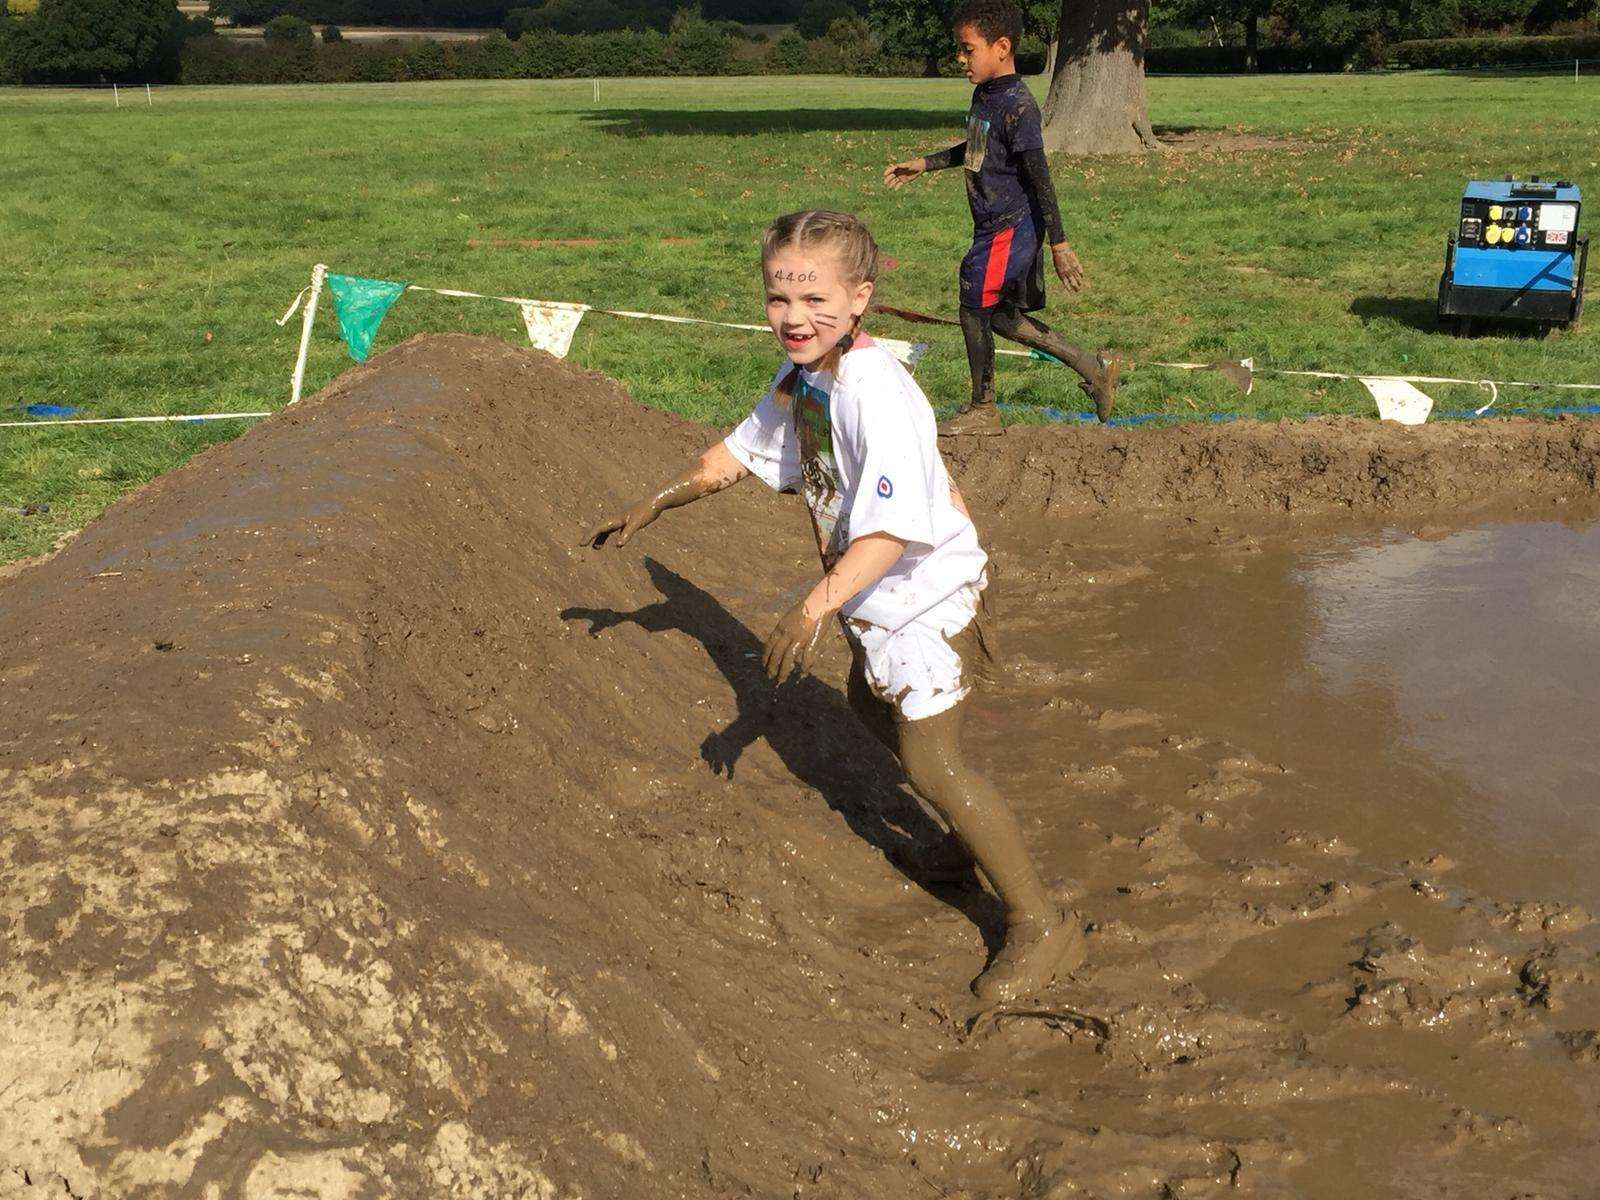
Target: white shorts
915, 668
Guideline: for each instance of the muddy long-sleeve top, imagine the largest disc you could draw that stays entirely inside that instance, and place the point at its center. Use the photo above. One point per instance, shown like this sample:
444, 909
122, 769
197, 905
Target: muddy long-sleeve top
1008, 177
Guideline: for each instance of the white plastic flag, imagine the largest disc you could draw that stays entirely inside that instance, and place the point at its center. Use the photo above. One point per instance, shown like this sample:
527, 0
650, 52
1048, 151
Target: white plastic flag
1399, 401
552, 324
907, 352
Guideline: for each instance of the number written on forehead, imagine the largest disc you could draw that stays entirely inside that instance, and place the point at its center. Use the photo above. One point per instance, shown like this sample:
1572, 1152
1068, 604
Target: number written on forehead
794, 277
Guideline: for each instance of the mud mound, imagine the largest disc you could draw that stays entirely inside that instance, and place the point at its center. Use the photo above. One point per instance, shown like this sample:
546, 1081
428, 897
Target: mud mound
1330, 464
361, 837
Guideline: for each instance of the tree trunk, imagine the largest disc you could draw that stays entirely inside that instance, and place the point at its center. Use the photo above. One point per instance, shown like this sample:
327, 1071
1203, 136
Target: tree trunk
1050, 59
1252, 41
1096, 103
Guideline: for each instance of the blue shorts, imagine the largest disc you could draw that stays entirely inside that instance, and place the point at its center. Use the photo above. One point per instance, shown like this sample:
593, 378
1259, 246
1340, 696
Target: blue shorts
1006, 267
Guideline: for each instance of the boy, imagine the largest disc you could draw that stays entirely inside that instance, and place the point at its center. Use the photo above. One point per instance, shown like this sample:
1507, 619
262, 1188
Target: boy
1013, 209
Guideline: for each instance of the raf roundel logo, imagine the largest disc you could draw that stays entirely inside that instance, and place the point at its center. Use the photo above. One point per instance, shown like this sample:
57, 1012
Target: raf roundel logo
885, 488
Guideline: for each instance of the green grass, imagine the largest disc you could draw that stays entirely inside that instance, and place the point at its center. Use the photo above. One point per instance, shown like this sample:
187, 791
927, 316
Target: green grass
127, 237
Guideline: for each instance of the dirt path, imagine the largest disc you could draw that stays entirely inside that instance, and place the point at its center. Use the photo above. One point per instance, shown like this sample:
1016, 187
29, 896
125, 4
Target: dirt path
362, 837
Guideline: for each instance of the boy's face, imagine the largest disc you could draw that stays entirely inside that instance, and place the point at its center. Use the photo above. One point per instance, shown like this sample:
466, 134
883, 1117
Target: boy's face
809, 305
982, 59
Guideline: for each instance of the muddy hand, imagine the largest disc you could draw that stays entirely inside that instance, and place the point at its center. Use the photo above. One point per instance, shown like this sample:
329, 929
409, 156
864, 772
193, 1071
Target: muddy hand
1068, 267
901, 173
792, 643
625, 526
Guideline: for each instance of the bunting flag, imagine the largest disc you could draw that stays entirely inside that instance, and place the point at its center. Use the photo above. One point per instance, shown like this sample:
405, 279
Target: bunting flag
361, 305
1399, 401
551, 324
1242, 374
909, 353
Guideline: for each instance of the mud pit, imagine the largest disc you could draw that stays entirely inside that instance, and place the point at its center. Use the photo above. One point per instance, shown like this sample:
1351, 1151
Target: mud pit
361, 838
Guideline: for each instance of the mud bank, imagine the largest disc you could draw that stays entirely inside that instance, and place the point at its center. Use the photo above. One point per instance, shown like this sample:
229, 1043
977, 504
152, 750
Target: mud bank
1322, 466
361, 837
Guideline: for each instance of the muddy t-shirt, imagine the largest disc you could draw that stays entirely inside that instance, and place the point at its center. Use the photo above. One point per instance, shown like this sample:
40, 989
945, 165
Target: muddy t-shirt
1002, 123
862, 449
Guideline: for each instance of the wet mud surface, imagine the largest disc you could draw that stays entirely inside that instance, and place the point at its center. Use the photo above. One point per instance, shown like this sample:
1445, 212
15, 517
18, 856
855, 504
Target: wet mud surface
359, 836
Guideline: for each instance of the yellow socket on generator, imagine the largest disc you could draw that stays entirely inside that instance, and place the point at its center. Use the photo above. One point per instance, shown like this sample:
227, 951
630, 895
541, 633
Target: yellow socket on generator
1494, 212
1491, 236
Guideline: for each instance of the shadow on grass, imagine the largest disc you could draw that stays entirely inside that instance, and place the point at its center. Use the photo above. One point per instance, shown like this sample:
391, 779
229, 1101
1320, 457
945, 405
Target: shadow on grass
634, 122
1423, 316
1410, 311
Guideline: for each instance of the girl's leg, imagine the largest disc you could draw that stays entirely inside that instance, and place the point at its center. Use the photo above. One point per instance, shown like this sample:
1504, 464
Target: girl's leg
1040, 941
947, 860
1099, 374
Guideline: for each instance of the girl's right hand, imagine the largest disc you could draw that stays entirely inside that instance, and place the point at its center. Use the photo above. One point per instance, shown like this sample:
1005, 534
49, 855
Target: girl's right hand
625, 526
901, 173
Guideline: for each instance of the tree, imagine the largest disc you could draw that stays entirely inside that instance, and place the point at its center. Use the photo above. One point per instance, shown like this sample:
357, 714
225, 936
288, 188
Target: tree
816, 16
246, 12
568, 16
1097, 103
285, 30
95, 41
698, 47
918, 30
849, 49
751, 12
1249, 14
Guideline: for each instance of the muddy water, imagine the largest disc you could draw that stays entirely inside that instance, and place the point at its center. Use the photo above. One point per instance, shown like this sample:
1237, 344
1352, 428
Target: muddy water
1484, 644
1332, 804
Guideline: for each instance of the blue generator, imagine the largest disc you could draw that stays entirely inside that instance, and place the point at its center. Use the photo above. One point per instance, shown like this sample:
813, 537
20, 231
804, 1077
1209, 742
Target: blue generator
1517, 254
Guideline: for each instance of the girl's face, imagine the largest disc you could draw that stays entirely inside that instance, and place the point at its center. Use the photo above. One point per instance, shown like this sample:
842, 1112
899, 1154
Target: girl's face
810, 306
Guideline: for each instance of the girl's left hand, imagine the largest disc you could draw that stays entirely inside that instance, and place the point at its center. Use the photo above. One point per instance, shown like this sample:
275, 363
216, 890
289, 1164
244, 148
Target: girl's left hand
793, 643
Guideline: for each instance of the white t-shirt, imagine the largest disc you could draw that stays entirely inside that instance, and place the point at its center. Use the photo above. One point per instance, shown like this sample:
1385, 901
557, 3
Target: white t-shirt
863, 450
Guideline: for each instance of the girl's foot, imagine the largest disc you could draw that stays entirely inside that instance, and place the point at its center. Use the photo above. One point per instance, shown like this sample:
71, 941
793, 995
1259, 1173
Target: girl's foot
1103, 389
1036, 951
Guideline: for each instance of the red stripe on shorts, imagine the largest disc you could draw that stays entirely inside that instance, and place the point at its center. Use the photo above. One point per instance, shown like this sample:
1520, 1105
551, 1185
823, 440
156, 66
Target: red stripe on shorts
994, 274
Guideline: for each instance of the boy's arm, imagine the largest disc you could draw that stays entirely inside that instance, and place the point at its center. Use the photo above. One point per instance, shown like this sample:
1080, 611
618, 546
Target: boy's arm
1035, 170
900, 173
715, 470
794, 640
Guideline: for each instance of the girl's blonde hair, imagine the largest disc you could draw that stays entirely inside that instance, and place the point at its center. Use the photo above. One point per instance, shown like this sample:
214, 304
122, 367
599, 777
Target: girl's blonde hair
844, 236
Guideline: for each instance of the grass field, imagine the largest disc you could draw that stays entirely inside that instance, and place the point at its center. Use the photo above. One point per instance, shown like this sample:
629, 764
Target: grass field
146, 252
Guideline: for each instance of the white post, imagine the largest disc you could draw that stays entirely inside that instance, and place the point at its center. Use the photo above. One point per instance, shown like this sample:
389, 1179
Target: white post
318, 273
149, 102
597, 91
116, 96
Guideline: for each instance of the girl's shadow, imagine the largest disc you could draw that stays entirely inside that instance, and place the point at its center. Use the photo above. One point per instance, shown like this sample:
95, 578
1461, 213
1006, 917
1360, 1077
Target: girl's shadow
808, 724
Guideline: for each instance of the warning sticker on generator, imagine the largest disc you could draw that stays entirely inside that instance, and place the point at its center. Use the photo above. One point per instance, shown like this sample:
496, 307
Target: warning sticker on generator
1560, 218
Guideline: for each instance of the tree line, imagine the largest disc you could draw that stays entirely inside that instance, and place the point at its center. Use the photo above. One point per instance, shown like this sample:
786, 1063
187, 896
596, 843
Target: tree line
73, 41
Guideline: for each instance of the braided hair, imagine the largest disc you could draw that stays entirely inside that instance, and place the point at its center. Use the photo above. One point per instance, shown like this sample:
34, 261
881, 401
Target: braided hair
845, 237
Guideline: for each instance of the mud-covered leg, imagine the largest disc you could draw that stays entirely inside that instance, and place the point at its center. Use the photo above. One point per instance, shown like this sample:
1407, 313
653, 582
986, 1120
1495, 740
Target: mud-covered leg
1039, 941
979, 414
977, 332
946, 860
1099, 372
874, 713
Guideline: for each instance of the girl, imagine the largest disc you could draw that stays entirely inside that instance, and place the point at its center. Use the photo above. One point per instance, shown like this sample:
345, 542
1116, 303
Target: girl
845, 425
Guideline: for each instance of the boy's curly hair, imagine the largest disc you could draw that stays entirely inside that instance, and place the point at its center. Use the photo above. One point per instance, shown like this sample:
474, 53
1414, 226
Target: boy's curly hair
993, 19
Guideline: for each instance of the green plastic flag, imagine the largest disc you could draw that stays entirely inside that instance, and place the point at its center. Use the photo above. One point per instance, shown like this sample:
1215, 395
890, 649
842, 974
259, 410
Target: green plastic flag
361, 304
